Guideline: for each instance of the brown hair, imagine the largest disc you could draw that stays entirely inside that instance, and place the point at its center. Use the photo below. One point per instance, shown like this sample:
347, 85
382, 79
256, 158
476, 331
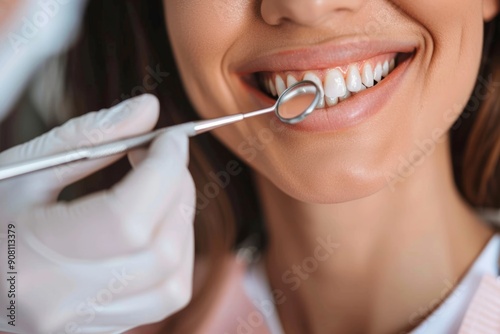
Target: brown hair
123, 40
121, 43
476, 133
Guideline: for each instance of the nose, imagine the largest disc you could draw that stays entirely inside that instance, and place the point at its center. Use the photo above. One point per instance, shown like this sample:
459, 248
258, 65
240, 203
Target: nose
305, 12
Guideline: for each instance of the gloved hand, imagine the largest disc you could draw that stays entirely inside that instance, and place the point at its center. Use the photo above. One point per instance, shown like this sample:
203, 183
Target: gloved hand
103, 263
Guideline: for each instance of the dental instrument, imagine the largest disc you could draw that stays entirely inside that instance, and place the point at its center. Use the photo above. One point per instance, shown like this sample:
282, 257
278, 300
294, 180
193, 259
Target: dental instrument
293, 106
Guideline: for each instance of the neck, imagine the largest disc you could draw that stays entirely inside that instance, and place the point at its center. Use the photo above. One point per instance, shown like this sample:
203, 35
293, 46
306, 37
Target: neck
379, 264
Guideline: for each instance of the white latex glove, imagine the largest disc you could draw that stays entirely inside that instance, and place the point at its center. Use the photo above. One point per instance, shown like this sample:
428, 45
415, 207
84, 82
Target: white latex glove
107, 262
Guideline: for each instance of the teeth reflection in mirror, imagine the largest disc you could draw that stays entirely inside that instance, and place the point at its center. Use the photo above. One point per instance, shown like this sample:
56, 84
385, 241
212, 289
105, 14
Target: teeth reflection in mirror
314, 78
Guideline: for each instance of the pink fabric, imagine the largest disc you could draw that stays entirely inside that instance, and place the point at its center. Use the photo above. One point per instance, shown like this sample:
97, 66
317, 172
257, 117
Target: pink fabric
483, 314
234, 313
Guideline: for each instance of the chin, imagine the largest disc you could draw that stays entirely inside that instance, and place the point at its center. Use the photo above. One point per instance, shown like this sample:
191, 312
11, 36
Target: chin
328, 185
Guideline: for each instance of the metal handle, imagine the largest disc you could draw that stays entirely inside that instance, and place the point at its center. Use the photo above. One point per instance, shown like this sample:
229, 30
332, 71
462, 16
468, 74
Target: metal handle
194, 128
21, 168
96, 152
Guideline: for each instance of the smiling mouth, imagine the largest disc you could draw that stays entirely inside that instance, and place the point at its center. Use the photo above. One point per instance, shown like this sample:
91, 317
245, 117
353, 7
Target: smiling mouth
337, 84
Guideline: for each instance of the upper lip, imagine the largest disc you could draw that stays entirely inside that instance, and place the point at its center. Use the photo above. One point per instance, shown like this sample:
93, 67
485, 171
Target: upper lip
326, 55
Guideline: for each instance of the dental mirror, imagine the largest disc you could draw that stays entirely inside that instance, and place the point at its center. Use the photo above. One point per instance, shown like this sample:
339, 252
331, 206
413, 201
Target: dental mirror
293, 105
297, 102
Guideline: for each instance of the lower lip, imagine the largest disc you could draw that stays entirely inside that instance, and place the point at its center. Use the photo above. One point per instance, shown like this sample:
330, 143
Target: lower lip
351, 111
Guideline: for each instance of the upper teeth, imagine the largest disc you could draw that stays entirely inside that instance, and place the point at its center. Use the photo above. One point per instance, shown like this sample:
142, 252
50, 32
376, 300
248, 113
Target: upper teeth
335, 86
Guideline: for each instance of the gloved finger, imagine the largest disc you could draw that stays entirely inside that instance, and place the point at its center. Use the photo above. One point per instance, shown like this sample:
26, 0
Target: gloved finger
175, 226
124, 275
127, 214
168, 250
167, 297
132, 117
170, 247
135, 157
103, 282
103, 330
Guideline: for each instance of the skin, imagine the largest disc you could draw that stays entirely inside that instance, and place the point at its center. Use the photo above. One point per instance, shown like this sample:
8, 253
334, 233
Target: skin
400, 243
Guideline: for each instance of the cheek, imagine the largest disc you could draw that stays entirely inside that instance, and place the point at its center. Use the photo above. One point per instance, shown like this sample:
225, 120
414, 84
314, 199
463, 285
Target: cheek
201, 34
454, 36
202, 28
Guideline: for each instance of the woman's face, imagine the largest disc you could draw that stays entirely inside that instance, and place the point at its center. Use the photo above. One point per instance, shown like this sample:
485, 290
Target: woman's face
234, 55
